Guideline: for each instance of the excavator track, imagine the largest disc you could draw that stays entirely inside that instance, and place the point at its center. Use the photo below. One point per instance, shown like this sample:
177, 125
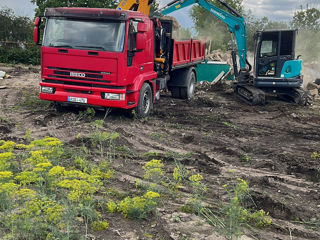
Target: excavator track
250, 94
298, 96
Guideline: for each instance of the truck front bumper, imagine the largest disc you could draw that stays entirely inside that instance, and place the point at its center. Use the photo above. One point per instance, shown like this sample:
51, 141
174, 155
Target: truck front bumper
84, 95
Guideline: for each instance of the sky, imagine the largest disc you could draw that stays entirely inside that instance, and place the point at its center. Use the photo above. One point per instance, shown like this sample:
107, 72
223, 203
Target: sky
280, 10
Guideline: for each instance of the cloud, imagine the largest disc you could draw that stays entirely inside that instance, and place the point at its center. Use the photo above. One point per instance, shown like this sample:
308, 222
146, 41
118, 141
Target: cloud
20, 7
280, 10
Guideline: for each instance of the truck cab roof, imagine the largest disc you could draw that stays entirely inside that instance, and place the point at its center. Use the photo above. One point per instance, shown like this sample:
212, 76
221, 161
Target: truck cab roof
92, 13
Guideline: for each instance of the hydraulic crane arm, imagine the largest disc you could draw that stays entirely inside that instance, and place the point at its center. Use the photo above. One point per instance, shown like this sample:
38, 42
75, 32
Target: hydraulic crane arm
142, 6
234, 21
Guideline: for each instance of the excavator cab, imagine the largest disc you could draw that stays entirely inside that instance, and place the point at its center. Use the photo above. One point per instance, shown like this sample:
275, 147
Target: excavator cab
275, 63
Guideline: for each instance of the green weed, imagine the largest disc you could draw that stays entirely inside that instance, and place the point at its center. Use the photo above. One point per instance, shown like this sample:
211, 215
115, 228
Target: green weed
156, 136
230, 219
86, 115
245, 158
32, 101
230, 125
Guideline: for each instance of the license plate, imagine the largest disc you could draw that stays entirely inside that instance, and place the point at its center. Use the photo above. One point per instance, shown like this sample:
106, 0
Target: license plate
77, 100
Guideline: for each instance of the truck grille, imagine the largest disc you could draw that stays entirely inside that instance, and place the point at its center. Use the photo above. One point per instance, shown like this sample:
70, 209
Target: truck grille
71, 83
77, 74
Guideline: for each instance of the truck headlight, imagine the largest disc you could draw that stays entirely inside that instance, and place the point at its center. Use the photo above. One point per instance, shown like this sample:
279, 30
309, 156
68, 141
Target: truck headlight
47, 90
114, 96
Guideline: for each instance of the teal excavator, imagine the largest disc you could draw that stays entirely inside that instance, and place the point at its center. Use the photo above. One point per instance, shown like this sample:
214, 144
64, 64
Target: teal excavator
276, 70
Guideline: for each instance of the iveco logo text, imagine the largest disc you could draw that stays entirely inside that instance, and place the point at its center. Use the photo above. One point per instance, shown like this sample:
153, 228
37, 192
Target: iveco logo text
74, 74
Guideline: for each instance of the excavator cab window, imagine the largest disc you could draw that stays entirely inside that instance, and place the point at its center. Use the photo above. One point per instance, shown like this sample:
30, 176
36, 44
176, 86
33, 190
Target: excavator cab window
267, 55
269, 46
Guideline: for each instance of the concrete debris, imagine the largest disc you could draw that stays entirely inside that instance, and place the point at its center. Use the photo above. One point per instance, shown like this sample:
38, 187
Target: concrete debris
314, 88
4, 75
221, 56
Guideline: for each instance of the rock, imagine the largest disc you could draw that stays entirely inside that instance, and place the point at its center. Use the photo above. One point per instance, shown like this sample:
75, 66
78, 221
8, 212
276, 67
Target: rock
294, 115
244, 237
2, 74
312, 86
314, 92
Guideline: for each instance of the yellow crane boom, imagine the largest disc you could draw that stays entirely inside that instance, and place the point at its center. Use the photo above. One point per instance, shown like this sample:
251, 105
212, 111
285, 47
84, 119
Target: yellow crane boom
142, 6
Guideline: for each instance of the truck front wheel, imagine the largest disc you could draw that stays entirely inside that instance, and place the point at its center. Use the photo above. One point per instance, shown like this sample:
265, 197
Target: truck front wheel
145, 103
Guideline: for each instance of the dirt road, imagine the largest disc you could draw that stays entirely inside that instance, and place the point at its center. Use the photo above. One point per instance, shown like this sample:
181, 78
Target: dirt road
216, 135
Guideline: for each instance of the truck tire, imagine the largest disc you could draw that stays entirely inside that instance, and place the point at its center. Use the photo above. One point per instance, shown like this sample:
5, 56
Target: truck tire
188, 92
145, 103
182, 84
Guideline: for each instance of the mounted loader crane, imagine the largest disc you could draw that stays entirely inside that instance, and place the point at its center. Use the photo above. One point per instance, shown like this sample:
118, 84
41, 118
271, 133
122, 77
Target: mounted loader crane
276, 69
142, 6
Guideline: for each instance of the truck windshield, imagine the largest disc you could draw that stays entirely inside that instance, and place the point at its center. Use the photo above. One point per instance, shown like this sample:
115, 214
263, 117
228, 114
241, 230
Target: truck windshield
85, 34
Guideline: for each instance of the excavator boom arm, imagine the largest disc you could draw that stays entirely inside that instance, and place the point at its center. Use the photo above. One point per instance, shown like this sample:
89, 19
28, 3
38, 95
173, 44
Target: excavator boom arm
234, 21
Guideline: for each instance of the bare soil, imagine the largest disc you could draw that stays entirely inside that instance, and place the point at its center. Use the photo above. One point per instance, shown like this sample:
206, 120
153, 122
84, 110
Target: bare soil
210, 135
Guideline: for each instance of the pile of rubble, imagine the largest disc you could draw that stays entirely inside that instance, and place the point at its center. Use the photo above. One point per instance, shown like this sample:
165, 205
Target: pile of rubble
221, 56
314, 88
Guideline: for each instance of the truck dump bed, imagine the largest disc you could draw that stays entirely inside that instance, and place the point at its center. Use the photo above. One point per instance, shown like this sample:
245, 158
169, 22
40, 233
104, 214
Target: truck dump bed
189, 52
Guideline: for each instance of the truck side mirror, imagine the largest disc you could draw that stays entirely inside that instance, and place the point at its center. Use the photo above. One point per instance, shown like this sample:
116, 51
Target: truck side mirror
142, 27
36, 30
141, 41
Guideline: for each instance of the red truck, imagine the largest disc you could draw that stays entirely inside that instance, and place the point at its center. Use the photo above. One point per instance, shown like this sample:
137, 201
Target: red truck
113, 58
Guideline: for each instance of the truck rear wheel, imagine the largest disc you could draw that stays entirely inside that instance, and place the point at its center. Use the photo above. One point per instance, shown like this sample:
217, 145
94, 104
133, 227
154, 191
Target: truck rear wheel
188, 92
183, 84
145, 103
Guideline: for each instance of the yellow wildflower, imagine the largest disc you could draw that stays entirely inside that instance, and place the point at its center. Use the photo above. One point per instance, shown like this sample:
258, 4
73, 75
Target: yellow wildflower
4, 160
108, 174
21, 146
111, 206
27, 177
195, 178
5, 175
99, 225
47, 142
53, 211
26, 193
75, 174
37, 157
151, 195
153, 169
176, 174
9, 188
7, 146
56, 171
44, 165
79, 189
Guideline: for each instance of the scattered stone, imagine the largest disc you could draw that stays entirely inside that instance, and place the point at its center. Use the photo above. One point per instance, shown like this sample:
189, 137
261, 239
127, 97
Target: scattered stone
312, 86
244, 237
294, 115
